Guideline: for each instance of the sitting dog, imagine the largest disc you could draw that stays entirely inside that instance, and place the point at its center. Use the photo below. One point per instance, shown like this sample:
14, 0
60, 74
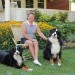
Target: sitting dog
13, 58
53, 47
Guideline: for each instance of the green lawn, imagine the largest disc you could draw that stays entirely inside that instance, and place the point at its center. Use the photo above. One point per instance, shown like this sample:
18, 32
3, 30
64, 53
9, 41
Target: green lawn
67, 67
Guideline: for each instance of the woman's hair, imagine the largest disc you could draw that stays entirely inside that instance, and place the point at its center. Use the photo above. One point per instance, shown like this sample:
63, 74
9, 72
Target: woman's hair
31, 13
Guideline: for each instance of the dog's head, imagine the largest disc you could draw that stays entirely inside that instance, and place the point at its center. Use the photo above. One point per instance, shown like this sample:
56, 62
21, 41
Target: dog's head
16, 53
55, 33
17, 50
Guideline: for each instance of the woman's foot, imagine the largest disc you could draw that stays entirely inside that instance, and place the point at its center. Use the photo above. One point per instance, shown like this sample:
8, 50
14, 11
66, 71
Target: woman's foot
37, 62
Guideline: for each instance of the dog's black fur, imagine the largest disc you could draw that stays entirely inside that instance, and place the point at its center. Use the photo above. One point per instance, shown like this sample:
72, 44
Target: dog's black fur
13, 58
47, 53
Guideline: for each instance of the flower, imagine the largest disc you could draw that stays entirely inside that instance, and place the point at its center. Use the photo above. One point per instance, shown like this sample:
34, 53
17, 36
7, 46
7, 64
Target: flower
5, 43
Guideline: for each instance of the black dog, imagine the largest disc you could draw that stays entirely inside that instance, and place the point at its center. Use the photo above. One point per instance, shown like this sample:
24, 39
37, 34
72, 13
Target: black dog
13, 58
53, 47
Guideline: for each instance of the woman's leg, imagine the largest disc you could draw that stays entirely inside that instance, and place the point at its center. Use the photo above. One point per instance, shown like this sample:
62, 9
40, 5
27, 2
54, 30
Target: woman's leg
36, 48
31, 48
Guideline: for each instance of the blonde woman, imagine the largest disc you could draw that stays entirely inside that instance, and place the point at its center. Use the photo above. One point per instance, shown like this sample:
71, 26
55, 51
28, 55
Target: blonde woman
29, 28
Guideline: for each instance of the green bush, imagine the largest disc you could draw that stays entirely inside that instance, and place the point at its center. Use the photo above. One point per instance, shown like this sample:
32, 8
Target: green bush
6, 34
44, 18
66, 28
37, 14
45, 27
60, 16
71, 37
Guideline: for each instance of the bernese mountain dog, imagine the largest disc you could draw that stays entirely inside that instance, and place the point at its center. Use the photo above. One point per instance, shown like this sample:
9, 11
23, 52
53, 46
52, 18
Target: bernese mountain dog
14, 58
53, 47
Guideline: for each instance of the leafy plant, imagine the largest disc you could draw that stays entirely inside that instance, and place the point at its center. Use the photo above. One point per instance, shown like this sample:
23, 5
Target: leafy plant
44, 18
45, 27
6, 33
73, 1
66, 28
37, 14
60, 16
71, 37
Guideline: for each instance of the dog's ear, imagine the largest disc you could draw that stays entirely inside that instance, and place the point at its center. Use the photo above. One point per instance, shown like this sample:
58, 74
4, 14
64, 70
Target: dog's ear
59, 34
20, 48
52, 31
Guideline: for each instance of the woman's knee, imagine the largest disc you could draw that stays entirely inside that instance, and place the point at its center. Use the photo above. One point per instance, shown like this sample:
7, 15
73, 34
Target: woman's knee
29, 42
35, 43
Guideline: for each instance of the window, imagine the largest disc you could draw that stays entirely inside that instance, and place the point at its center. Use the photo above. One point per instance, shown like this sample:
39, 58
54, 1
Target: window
3, 3
29, 3
18, 3
40, 3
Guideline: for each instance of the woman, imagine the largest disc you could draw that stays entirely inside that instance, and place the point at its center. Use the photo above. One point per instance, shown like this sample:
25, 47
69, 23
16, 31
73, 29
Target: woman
29, 28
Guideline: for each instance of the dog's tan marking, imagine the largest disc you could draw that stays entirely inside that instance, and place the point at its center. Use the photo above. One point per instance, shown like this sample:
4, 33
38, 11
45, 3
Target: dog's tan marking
51, 61
58, 61
25, 68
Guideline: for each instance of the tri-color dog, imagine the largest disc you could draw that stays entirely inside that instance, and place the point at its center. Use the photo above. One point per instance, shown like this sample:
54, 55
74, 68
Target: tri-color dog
53, 47
13, 58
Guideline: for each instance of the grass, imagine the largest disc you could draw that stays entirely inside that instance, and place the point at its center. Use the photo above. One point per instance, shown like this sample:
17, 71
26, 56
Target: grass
67, 67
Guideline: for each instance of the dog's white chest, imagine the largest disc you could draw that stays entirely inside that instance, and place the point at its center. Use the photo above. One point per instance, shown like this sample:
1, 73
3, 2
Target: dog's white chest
18, 58
55, 48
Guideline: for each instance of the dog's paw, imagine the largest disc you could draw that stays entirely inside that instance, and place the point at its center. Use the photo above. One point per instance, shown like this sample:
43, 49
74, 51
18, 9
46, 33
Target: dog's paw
25, 68
30, 69
59, 64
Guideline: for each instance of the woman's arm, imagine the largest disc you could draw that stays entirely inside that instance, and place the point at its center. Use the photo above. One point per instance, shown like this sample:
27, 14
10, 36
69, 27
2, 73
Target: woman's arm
24, 32
40, 33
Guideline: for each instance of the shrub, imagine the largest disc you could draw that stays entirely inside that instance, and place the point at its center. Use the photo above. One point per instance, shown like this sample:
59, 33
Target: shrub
6, 33
44, 18
66, 28
60, 16
71, 37
37, 14
45, 27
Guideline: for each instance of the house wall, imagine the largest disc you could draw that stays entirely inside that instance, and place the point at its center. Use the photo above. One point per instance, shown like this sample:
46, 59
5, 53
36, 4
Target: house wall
58, 4
2, 16
21, 14
1, 7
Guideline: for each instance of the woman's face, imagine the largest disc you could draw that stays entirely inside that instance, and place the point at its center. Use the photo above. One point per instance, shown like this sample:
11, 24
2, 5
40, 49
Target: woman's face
31, 17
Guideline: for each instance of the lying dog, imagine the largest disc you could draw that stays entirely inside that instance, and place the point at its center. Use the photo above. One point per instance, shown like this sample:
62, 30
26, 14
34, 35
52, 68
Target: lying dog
53, 47
13, 58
